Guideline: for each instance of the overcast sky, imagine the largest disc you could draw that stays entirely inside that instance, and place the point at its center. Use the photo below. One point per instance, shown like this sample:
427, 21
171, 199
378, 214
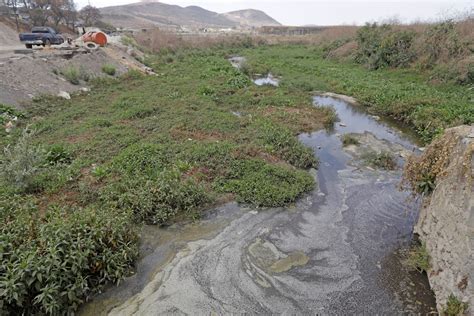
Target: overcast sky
326, 12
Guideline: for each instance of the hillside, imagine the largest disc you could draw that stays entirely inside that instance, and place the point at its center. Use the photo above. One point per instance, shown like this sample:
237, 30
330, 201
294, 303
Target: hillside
251, 17
147, 14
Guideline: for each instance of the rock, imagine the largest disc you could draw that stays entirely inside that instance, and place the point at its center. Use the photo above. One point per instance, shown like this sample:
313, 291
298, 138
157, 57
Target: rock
64, 95
376, 117
446, 222
9, 126
84, 89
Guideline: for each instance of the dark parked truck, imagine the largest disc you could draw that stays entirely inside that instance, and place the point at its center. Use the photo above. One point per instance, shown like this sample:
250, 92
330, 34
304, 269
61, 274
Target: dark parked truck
44, 36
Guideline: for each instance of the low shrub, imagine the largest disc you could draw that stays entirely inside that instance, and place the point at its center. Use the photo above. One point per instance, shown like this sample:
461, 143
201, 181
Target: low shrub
442, 42
21, 163
74, 75
260, 184
421, 172
380, 46
348, 139
58, 154
109, 69
382, 160
454, 307
8, 113
156, 200
284, 144
419, 258
142, 158
51, 263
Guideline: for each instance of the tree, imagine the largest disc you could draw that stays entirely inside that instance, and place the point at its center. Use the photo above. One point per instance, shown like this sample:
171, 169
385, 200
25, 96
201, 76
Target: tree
40, 11
90, 15
70, 14
13, 5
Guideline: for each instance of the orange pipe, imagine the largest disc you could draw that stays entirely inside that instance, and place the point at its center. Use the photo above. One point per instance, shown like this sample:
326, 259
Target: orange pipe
97, 37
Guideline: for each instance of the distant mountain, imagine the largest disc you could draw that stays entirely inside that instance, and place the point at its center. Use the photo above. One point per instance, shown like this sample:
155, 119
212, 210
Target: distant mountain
148, 14
251, 17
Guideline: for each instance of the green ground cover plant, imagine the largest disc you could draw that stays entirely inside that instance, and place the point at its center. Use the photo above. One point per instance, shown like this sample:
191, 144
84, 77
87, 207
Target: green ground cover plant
405, 95
454, 307
139, 149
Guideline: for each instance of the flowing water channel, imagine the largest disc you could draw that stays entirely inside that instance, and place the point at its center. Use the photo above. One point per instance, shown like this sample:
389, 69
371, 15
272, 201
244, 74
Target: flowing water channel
339, 250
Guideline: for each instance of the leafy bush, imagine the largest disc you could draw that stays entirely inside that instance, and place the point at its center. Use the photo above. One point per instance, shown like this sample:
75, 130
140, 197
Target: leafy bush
49, 264
210, 157
109, 69
239, 81
419, 258
421, 173
72, 74
383, 160
380, 46
20, 164
348, 139
142, 158
284, 144
158, 200
260, 184
454, 307
8, 113
58, 154
442, 42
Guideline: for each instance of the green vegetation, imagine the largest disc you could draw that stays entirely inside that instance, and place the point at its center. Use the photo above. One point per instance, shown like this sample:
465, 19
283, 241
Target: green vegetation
419, 258
348, 139
154, 149
140, 149
20, 165
52, 260
8, 113
382, 160
109, 69
381, 46
74, 75
260, 184
454, 307
421, 172
405, 95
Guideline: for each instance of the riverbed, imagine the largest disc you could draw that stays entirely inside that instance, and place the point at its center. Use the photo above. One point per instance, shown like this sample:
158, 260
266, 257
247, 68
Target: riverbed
339, 250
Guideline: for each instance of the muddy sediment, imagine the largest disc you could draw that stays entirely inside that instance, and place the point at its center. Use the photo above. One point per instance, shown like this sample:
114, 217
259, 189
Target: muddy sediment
338, 250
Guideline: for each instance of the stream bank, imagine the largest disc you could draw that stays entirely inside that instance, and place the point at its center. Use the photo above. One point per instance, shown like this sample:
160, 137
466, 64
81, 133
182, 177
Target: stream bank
338, 250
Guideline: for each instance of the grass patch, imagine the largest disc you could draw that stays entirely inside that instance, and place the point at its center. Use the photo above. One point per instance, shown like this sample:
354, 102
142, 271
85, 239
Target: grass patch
348, 140
454, 307
421, 172
418, 258
74, 75
260, 184
405, 95
109, 69
382, 160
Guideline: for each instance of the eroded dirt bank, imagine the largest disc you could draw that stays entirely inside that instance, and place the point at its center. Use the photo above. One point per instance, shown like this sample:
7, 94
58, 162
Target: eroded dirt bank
446, 223
336, 251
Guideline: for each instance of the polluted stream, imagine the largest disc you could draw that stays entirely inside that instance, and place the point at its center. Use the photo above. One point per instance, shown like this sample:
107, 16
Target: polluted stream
339, 250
